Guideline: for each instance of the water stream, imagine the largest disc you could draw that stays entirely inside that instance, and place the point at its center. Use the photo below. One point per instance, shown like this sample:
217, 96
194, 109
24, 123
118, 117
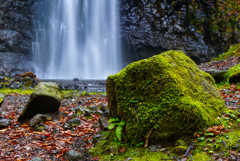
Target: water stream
79, 40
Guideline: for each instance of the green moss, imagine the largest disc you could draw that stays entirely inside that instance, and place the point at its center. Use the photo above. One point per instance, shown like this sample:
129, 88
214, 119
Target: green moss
233, 74
102, 150
49, 89
233, 51
1, 98
167, 90
201, 157
7, 91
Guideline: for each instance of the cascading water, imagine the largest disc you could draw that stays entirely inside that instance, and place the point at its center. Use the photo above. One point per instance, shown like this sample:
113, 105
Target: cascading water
80, 40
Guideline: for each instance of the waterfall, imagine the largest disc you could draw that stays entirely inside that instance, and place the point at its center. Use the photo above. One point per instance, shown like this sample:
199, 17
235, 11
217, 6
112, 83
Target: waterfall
80, 41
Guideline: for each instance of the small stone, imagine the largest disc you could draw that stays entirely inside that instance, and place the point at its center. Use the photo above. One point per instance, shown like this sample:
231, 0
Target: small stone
87, 112
161, 150
37, 120
5, 123
72, 155
104, 122
96, 125
128, 159
152, 148
99, 113
75, 121
104, 108
66, 126
94, 108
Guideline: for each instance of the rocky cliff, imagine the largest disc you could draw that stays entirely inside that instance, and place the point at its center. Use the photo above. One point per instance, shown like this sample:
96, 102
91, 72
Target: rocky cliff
16, 33
149, 27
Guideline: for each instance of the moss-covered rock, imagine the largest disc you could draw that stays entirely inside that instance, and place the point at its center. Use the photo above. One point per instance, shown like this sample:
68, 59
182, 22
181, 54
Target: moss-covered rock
2, 96
166, 92
45, 98
233, 74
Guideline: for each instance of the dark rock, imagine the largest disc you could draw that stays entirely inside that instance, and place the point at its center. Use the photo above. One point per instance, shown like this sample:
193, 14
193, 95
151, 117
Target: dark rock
72, 155
37, 159
2, 96
75, 79
104, 122
66, 126
104, 108
4, 123
74, 121
37, 120
2, 73
218, 75
2, 79
44, 99
99, 113
1, 86
87, 112
180, 150
93, 108
149, 27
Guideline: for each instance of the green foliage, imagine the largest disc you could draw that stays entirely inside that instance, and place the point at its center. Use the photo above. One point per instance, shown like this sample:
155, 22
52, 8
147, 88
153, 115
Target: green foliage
119, 127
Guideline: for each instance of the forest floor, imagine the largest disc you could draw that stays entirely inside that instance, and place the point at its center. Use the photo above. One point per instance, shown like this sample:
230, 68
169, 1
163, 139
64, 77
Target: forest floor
20, 142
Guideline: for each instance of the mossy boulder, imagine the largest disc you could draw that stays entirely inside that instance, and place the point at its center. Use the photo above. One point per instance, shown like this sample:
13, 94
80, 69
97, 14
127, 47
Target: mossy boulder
166, 92
45, 98
233, 74
2, 96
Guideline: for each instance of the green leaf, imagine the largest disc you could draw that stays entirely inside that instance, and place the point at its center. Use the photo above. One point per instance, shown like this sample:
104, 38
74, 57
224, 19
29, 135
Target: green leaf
113, 120
201, 138
134, 101
149, 81
119, 132
111, 126
122, 123
209, 139
238, 120
209, 134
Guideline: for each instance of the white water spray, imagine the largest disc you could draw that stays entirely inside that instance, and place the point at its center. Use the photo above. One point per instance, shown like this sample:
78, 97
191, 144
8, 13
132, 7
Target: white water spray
82, 40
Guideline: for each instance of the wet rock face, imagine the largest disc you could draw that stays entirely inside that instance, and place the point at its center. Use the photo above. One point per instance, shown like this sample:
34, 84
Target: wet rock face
16, 30
149, 27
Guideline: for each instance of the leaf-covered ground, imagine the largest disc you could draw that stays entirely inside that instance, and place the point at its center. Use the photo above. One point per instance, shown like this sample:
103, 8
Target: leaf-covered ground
21, 142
